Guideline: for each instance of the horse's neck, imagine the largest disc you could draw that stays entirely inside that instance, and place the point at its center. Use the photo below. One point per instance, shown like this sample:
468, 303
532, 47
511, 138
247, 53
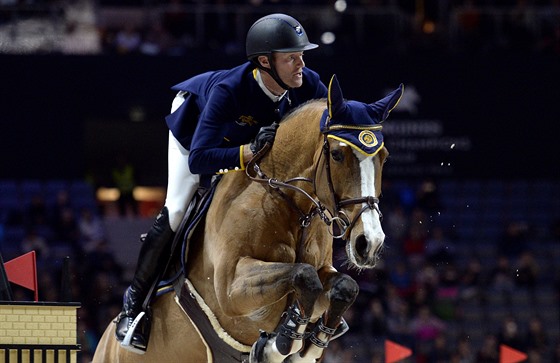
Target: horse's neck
297, 147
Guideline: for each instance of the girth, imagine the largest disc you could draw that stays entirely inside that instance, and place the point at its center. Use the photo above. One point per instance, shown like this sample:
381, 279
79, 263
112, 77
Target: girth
220, 350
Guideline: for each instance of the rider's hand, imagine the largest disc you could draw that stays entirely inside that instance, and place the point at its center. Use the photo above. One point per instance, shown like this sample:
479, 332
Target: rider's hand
265, 135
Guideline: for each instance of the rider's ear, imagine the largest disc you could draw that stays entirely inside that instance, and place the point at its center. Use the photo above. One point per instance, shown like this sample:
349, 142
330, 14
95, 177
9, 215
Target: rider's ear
263, 60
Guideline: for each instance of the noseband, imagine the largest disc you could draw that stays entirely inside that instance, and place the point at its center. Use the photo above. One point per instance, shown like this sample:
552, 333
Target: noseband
337, 216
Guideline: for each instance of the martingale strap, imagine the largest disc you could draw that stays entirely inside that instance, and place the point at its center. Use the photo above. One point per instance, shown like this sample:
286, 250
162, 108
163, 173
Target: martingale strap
220, 350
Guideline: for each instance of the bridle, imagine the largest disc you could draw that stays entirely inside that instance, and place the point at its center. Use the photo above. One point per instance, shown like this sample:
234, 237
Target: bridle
370, 202
329, 217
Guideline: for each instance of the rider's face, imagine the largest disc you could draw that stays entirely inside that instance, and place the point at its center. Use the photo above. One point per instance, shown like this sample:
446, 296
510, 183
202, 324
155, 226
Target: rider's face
289, 67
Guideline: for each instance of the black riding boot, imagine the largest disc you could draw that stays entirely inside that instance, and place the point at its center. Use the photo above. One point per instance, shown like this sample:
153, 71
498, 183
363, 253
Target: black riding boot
153, 255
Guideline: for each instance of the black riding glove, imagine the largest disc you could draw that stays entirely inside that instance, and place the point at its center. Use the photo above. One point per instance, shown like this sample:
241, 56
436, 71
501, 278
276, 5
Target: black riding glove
265, 134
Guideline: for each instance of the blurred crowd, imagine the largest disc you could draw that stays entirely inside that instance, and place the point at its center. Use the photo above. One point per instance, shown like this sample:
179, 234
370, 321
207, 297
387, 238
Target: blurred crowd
459, 26
417, 296
181, 27
428, 285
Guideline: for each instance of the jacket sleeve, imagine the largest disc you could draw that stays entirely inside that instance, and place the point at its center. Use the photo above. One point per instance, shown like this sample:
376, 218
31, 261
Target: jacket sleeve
210, 152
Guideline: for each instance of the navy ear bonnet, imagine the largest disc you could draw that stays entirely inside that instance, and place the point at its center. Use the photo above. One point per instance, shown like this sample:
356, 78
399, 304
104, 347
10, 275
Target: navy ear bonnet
355, 123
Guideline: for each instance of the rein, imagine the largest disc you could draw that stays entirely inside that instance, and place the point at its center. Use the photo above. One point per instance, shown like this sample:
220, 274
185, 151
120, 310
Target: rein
340, 218
305, 218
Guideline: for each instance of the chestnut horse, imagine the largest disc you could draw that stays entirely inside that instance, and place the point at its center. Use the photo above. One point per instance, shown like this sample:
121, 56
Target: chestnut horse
260, 265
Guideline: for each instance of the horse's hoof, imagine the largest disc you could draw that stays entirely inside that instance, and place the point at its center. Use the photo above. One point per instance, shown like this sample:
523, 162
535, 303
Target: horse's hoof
341, 329
257, 350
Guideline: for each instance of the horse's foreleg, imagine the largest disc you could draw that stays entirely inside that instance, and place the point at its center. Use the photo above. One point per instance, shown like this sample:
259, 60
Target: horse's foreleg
258, 284
342, 291
269, 285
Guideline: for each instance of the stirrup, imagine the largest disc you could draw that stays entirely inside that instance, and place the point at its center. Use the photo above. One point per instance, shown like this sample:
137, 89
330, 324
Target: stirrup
126, 343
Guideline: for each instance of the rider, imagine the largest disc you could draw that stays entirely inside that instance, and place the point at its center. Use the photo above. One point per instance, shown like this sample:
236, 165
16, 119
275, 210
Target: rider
218, 121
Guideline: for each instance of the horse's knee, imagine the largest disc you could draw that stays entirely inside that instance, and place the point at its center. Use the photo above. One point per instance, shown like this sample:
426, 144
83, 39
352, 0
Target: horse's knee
344, 290
305, 278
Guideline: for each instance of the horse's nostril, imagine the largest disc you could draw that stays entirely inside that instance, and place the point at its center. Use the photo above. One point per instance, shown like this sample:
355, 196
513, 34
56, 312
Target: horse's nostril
362, 245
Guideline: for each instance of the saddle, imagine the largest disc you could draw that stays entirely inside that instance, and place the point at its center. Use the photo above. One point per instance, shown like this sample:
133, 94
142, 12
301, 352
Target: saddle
174, 272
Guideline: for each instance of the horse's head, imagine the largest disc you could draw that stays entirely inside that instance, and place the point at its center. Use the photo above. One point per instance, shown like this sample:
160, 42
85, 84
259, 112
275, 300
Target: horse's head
354, 154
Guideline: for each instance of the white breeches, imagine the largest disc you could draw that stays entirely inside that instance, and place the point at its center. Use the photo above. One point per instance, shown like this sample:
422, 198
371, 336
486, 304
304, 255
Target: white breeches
181, 183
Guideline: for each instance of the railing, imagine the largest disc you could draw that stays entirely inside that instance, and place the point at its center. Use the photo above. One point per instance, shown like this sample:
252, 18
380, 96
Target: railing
49, 353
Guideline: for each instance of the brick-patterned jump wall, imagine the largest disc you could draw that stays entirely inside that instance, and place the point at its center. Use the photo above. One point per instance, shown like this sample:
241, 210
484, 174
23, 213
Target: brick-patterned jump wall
41, 332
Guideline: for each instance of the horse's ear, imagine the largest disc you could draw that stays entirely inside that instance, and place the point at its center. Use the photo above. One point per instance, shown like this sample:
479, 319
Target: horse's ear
335, 101
385, 105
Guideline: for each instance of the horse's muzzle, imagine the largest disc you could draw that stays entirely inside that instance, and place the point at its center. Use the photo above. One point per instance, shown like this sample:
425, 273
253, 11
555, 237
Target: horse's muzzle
364, 253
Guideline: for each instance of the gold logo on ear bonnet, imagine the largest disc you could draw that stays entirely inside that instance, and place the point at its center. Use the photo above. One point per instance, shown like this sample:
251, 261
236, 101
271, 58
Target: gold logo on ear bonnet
367, 138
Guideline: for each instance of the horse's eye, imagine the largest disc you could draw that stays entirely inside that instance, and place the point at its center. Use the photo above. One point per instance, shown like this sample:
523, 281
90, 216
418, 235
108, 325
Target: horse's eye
337, 155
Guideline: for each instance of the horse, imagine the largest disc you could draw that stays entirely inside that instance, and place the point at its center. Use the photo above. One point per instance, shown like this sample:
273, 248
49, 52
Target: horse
260, 265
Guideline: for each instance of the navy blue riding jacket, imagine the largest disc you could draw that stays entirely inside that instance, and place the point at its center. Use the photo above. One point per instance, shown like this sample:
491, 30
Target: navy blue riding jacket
225, 109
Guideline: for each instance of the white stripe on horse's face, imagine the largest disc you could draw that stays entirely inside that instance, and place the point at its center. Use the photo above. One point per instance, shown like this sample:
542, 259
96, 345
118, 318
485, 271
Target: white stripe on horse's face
370, 218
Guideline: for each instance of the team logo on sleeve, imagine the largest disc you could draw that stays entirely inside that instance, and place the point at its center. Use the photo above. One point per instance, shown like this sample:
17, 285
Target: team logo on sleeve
246, 121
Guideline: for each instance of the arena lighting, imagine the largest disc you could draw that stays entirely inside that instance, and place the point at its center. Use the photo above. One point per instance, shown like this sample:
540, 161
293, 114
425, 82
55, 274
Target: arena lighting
328, 38
140, 193
340, 5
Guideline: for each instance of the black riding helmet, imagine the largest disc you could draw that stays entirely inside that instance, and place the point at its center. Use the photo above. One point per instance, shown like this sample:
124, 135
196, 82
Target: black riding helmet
275, 33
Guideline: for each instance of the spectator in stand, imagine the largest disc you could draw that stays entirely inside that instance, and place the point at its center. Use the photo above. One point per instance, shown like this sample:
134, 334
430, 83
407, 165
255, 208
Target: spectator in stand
374, 320
439, 250
36, 213
414, 245
127, 40
513, 240
501, 278
92, 232
463, 351
489, 352
536, 337
336, 353
447, 292
556, 352
427, 197
441, 352
397, 224
399, 324
470, 30
519, 26
62, 202
425, 328
66, 230
471, 280
32, 241
427, 282
156, 41
401, 279
124, 179
527, 272
510, 334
